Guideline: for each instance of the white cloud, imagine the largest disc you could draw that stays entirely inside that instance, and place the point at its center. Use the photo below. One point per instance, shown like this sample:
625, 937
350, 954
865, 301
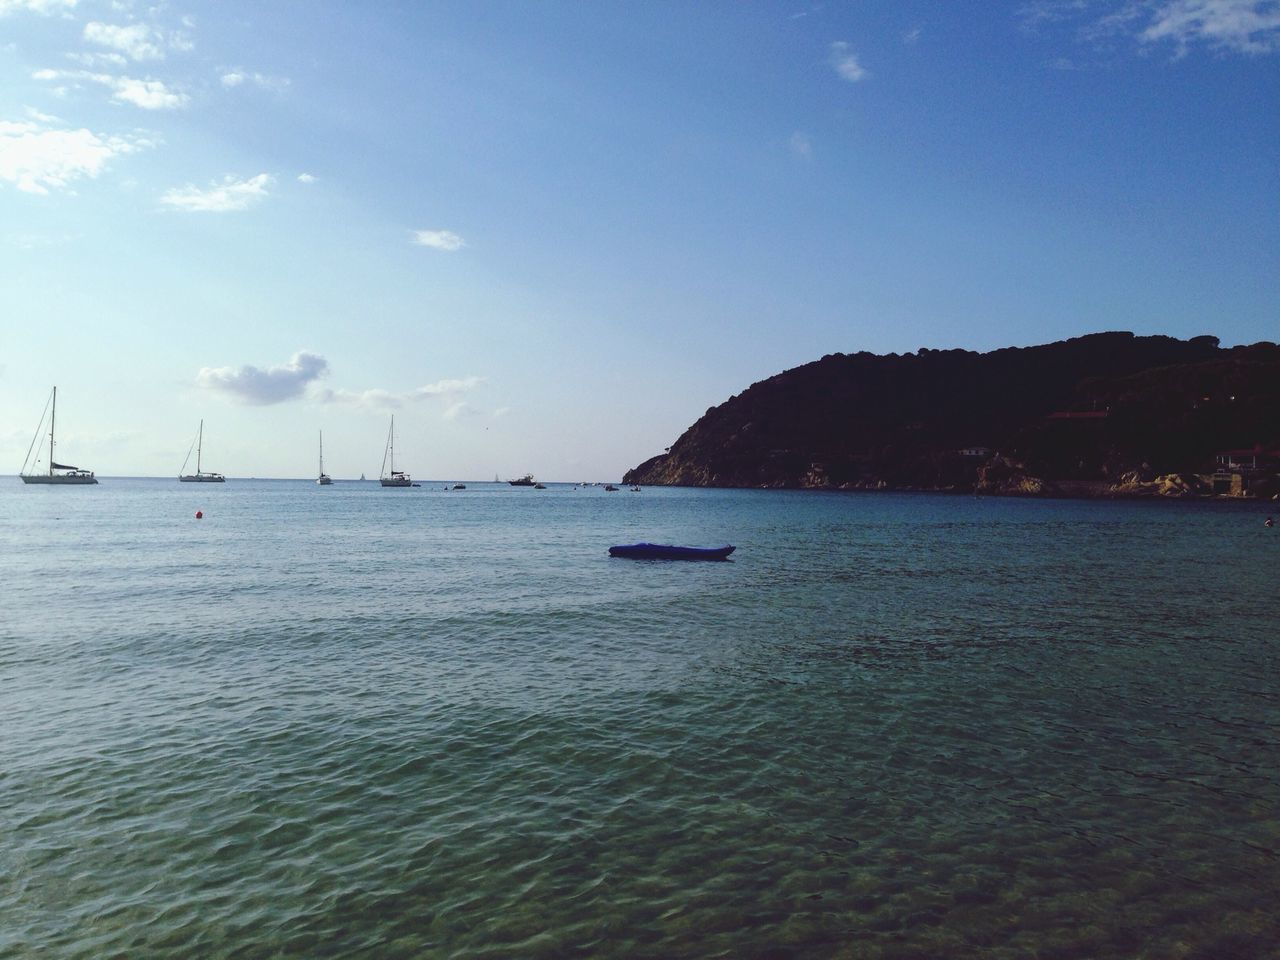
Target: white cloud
230, 194
36, 6
438, 240
361, 398
277, 384
98, 59
147, 94
307, 178
846, 62
460, 408
237, 77
1244, 26
450, 391
37, 157
136, 41
911, 36
801, 145
1238, 26
445, 388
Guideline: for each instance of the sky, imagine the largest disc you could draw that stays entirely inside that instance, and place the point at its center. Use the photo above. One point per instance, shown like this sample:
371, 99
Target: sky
547, 236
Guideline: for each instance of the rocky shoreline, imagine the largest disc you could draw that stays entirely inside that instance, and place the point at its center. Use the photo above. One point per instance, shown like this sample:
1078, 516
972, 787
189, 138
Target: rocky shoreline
1168, 487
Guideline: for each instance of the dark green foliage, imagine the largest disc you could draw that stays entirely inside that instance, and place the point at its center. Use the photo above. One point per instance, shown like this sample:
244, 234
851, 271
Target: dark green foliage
901, 420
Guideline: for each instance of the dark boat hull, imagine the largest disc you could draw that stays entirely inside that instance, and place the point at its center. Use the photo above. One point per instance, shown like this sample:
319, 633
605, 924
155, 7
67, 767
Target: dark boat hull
659, 551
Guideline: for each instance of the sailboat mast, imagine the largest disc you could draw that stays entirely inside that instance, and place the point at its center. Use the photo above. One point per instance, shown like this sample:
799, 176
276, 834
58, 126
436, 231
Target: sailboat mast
322, 452
392, 444
199, 446
52, 420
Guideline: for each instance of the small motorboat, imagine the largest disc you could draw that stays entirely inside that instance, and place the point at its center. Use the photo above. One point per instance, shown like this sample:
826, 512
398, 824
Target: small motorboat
662, 551
610, 488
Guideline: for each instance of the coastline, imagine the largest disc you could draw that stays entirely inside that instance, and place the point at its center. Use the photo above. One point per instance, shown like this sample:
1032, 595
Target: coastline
1042, 490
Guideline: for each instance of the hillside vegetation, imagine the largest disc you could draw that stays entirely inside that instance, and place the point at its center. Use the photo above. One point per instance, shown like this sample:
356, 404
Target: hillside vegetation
1108, 407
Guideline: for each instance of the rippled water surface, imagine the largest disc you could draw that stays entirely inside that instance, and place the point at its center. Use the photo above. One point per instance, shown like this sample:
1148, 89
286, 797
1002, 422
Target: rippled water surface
362, 723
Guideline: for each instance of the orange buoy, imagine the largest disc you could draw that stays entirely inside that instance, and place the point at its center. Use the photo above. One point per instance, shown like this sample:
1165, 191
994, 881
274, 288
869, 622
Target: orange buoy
199, 514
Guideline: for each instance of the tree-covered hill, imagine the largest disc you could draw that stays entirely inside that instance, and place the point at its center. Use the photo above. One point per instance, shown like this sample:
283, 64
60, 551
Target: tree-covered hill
1096, 407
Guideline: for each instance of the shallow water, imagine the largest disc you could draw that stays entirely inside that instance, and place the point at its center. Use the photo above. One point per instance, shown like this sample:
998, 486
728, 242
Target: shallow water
353, 722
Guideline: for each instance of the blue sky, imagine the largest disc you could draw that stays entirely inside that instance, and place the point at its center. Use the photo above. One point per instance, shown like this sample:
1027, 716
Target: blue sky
547, 236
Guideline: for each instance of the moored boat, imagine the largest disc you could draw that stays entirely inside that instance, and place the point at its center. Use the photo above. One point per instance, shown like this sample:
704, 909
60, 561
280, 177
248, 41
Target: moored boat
324, 479
200, 476
57, 473
664, 551
525, 481
393, 477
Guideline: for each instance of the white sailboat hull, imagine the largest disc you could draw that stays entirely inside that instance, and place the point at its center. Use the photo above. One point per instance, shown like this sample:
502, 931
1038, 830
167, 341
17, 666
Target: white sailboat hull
203, 478
59, 479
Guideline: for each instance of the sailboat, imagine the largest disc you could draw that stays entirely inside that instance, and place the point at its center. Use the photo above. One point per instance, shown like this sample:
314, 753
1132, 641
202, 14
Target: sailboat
324, 479
68, 474
396, 478
200, 476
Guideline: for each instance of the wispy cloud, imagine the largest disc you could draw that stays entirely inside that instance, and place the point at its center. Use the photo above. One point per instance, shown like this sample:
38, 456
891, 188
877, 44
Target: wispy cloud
446, 388
39, 155
259, 387
237, 77
845, 62
450, 391
38, 241
147, 94
459, 409
1243, 26
45, 7
911, 36
1236, 26
374, 398
137, 41
445, 240
98, 59
801, 145
230, 194
307, 178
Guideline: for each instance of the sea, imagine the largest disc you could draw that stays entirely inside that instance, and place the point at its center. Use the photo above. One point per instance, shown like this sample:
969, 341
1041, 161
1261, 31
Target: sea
354, 722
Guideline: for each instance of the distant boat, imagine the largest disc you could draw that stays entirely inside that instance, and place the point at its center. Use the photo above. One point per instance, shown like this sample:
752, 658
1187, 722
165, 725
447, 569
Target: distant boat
362, 476
324, 479
663, 551
68, 474
200, 476
525, 481
610, 488
394, 478
459, 486
539, 486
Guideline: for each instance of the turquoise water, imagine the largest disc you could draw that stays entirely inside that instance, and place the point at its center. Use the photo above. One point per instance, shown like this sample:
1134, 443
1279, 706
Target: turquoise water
362, 723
